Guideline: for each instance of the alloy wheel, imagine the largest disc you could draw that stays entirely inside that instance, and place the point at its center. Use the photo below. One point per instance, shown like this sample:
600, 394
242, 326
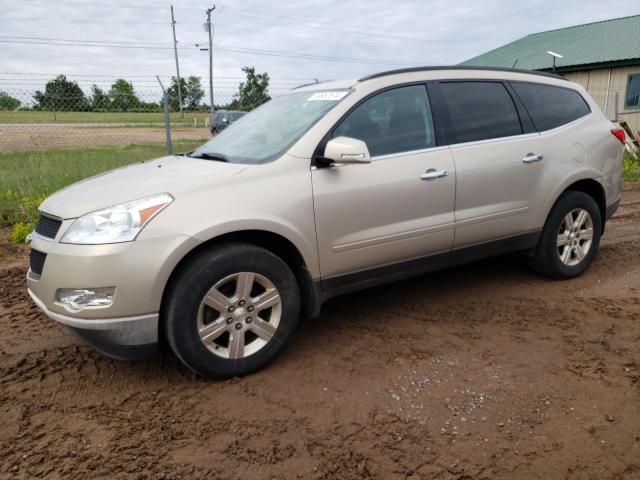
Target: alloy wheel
239, 315
575, 236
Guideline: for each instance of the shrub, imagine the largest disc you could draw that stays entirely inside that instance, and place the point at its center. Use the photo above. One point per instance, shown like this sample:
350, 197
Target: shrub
631, 170
20, 232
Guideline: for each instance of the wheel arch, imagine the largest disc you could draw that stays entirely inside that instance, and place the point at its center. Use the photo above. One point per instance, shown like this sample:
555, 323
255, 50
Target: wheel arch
587, 182
595, 190
273, 242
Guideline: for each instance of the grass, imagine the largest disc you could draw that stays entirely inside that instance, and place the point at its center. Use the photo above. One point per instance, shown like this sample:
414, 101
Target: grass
29, 177
631, 171
97, 117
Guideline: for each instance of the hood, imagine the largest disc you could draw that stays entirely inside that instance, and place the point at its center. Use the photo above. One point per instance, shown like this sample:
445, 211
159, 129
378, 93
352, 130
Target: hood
173, 175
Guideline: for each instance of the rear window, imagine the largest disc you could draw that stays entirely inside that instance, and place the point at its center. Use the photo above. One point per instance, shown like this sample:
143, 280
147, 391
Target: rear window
549, 106
480, 111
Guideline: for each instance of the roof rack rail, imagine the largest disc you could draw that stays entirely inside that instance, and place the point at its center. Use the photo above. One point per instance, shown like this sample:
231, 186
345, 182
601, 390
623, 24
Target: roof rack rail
458, 67
310, 83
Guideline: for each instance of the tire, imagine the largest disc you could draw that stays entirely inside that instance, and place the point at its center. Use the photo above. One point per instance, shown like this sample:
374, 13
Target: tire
231, 310
553, 257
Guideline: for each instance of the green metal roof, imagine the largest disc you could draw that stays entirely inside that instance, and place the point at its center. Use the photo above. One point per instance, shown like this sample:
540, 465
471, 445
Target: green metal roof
606, 42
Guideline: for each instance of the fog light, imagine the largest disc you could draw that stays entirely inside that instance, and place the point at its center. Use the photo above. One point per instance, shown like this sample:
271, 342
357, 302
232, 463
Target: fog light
79, 298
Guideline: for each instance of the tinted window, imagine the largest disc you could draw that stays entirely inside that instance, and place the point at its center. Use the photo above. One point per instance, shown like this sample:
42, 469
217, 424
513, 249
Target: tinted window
480, 111
394, 121
632, 97
550, 107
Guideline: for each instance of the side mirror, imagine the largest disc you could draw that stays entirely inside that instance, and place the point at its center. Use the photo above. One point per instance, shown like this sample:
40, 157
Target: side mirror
347, 150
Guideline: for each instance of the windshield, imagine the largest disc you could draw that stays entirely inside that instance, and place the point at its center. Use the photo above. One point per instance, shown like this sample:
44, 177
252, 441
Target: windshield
267, 132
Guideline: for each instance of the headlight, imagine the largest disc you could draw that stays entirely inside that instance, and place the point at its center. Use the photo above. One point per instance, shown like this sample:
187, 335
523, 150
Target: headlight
121, 223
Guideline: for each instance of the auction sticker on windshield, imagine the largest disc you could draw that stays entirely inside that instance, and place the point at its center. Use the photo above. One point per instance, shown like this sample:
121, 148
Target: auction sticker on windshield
327, 96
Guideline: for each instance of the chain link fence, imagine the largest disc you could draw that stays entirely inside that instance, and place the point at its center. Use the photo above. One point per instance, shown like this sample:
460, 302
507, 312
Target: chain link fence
32, 120
95, 117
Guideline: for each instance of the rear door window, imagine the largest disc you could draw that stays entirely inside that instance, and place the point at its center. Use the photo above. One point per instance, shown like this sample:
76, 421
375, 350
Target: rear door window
479, 111
392, 121
549, 106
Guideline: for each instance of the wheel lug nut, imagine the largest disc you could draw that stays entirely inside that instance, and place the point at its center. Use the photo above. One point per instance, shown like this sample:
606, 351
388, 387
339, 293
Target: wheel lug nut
250, 308
229, 321
232, 308
249, 319
241, 303
238, 326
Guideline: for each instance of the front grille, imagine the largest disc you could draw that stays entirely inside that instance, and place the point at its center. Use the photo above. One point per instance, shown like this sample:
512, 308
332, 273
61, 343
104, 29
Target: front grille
47, 226
36, 261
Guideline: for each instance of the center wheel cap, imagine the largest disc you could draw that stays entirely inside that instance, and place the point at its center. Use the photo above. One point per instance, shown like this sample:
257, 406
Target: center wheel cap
239, 312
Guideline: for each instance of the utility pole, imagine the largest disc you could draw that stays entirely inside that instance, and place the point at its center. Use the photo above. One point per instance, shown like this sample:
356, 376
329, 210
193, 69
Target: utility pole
210, 29
175, 51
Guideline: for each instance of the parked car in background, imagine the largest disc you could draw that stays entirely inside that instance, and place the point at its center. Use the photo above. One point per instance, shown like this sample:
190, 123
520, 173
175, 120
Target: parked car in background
325, 190
223, 118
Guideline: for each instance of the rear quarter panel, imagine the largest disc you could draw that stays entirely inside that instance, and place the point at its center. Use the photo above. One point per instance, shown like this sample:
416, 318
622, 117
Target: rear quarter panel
584, 149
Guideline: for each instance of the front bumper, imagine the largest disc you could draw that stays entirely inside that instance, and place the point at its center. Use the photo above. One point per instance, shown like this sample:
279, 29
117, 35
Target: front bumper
125, 338
128, 328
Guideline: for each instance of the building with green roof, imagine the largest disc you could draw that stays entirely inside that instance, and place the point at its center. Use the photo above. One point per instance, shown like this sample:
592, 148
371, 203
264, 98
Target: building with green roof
604, 57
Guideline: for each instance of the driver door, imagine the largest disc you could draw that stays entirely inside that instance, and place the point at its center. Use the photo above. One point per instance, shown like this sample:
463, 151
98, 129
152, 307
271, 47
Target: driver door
383, 218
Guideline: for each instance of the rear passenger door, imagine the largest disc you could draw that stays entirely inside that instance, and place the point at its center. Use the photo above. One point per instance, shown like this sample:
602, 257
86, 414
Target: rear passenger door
499, 158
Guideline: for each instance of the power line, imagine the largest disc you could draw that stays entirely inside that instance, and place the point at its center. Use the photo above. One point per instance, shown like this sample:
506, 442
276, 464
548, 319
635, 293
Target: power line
326, 27
99, 5
307, 56
323, 26
136, 42
95, 45
150, 46
167, 75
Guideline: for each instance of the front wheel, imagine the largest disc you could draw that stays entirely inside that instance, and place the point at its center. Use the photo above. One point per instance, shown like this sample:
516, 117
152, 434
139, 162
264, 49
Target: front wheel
570, 237
231, 310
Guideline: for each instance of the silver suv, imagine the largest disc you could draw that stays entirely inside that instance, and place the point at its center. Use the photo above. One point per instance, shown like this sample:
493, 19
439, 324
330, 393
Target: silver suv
330, 188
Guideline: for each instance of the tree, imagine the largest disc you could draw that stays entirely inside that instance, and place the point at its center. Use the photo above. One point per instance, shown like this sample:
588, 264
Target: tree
99, 99
123, 96
192, 93
61, 94
253, 92
7, 102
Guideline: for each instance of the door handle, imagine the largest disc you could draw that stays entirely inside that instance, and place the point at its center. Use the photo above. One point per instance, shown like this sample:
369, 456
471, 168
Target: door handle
532, 157
432, 174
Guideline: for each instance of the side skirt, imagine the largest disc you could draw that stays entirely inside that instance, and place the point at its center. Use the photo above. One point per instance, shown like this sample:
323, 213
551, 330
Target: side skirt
329, 287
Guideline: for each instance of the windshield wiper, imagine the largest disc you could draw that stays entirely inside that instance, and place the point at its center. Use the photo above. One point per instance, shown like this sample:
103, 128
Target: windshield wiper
208, 156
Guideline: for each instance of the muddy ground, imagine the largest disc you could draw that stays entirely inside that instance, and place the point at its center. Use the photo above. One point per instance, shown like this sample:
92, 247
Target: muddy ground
486, 371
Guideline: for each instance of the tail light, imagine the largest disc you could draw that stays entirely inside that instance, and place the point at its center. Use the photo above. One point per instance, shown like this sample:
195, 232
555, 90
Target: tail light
619, 134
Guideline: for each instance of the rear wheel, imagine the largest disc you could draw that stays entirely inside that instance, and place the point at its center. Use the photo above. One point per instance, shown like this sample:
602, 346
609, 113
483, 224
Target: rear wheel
570, 237
231, 310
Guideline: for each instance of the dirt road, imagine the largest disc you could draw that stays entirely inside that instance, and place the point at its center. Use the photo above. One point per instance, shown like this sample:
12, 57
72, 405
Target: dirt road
481, 372
45, 136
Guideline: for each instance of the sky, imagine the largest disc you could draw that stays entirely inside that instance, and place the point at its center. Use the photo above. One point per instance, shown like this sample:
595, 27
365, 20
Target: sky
293, 41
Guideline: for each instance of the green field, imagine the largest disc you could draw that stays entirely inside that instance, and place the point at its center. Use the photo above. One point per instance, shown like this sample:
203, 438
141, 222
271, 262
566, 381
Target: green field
98, 117
28, 177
